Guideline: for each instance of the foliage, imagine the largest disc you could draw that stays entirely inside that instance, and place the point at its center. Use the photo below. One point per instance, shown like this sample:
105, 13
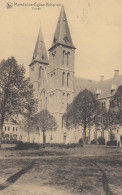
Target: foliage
116, 106
86, 140
112, 143
16, 93
25, 146
80, 141
45, 122
101, 140
82, 111
94, 142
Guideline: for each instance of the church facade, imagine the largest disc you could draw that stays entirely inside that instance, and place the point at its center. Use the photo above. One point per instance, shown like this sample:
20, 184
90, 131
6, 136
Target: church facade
55, 84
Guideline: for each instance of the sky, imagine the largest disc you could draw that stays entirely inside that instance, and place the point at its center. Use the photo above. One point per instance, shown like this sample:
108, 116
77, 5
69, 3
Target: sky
95, 26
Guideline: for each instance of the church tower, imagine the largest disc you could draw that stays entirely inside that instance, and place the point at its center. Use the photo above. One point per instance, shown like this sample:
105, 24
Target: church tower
38, 64
61, 74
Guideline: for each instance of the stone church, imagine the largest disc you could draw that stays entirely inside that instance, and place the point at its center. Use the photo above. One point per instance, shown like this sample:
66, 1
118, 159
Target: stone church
55, 84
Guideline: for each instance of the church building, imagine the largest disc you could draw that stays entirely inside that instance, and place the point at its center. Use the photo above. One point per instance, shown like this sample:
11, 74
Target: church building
55, 84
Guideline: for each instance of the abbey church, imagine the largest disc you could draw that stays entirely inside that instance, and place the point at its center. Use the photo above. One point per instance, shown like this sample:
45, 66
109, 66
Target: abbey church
55, 84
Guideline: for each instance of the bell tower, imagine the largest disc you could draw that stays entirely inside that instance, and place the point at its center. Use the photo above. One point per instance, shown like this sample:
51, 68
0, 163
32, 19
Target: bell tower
38, 64
61, 75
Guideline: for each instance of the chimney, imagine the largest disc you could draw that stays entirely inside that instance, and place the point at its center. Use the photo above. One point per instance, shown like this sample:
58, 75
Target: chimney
89, 84
101, 78
89, 81
116, 73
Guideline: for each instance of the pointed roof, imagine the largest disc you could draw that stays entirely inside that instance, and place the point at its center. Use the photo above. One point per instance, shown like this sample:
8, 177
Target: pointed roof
62, 33
40, 54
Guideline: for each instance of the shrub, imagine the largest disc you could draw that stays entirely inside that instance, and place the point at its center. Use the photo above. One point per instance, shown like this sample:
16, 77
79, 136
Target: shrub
25, 146
93, 141
85, 140
112, 143
101, 140
80, 141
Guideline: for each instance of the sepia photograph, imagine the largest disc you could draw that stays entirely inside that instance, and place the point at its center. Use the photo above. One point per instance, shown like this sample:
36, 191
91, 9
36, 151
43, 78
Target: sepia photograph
60, 97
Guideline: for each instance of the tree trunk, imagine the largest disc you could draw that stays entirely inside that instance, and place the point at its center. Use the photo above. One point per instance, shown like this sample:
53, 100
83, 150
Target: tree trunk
84, 137
1, 128
44, 137
28, 135
0, 133
84, 130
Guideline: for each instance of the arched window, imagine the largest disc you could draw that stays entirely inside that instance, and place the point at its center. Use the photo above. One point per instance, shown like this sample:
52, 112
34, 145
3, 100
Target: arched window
40, 71
68, 55
68, 99
65, 137
62, 121
53, 54
46, 103
68, 76
63, 57
63, 75
63, 99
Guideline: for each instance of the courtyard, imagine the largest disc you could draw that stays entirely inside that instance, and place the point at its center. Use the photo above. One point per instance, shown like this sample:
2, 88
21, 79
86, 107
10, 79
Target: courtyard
89, 170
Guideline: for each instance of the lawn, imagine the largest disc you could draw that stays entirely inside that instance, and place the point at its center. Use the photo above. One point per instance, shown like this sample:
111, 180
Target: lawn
91, 170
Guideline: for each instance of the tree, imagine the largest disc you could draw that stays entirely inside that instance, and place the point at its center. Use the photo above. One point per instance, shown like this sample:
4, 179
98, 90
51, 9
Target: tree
116, 106
45, 122
16, 93
106, 118
27, 124
111, 118
82, 111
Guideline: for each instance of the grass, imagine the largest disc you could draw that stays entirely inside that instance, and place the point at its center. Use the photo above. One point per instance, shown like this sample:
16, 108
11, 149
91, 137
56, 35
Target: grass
87, 170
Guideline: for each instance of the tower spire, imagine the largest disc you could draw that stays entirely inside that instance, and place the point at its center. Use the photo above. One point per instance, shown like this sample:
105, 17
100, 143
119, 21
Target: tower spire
40, 54
62, 33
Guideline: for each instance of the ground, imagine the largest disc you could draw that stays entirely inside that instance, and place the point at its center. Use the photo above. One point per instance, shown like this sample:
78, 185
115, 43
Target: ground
89, 170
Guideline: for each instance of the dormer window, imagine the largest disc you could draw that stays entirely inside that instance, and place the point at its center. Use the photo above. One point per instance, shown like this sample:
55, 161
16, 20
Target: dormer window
98, 92
113, 88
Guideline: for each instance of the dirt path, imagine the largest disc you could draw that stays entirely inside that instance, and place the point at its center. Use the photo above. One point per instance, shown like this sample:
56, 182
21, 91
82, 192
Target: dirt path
34, 190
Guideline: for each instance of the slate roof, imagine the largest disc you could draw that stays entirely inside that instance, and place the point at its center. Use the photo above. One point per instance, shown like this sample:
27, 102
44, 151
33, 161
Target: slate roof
103, 89
82, 83
62, 34
40, 53
109, 87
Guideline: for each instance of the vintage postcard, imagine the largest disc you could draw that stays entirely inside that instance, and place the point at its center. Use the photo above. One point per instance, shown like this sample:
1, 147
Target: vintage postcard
60, 97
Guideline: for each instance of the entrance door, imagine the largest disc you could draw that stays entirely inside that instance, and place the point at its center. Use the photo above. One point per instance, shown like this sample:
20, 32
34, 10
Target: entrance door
65, 138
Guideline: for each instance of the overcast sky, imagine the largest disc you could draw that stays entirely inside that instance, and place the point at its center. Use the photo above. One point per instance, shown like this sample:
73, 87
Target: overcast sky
95, 26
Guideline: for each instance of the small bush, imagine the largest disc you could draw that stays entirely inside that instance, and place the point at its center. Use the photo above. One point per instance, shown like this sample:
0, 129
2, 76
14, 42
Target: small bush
80, 141
85, 140
101, 140
94, 142
112, 143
